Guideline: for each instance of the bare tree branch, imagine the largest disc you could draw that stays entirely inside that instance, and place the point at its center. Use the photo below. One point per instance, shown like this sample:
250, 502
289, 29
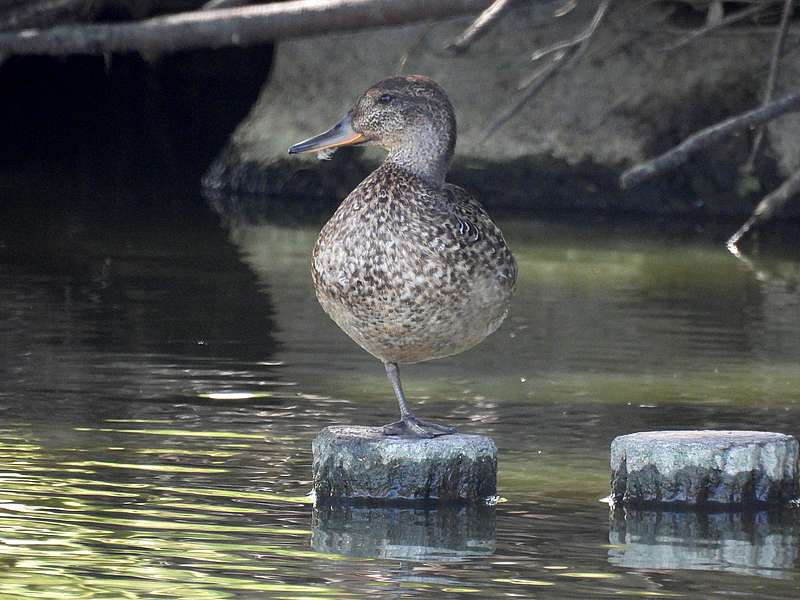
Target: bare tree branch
729, 20
579, 39
769, 88
541, 77
565, 53
705, 137
479, 26
740, 31
768, 206
232, 26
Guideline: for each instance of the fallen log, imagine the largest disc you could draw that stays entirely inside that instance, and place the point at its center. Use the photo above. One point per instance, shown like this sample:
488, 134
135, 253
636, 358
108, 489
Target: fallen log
241, 26
42, 13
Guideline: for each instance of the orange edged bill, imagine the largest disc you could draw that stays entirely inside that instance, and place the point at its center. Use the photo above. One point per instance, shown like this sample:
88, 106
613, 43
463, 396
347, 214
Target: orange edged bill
341, 134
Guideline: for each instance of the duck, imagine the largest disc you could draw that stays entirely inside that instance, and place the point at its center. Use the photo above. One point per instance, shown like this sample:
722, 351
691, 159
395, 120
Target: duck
411, 267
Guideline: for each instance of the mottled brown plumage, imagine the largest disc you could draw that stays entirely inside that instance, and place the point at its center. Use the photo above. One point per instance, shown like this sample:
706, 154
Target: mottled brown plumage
410, 267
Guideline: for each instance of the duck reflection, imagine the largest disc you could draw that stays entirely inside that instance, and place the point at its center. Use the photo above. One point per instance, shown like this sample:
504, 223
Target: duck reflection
750, 543
417, 534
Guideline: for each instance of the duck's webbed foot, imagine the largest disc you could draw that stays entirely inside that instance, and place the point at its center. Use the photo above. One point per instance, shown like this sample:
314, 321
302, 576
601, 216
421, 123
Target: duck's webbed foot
411, 425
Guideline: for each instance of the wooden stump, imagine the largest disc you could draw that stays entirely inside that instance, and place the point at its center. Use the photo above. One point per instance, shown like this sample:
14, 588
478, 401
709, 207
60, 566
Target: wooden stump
361, 464
697, 468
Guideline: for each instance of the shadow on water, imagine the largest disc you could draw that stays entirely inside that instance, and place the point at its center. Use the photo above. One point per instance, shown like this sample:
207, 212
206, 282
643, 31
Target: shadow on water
129, 305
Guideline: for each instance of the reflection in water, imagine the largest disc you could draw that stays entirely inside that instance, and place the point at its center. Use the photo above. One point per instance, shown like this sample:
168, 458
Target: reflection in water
599, 312
446, 533
160, 315
753, 543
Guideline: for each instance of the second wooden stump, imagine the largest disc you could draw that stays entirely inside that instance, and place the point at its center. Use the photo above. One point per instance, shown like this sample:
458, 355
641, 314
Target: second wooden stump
696, 468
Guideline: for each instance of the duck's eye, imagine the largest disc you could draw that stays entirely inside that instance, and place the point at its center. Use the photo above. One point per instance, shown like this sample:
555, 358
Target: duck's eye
385, 99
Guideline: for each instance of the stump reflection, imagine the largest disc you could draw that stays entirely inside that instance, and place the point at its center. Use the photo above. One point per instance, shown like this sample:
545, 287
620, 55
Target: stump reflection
445, 533
763, 543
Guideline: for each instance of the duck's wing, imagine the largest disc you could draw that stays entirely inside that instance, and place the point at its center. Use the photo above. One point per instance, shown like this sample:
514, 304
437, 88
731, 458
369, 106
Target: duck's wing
472, 221
464, 227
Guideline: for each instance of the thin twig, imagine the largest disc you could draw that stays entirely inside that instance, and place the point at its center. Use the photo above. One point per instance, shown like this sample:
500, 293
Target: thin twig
734, 249
705, 137
769, 87
582, 37
536, 82
742, 30
566, 55
479, 26
768, 206
543, 73
729, 20
566, 8
401, 65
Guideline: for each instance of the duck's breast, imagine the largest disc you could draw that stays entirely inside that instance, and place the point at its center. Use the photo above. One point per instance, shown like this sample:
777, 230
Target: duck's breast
407, 281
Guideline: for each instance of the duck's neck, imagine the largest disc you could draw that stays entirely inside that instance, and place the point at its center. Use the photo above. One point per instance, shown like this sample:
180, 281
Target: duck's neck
426, 154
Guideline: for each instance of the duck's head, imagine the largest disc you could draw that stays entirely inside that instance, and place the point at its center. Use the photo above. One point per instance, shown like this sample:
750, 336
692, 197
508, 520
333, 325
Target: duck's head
409, 116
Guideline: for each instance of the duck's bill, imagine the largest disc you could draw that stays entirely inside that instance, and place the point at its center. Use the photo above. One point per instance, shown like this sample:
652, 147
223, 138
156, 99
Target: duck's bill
341, 134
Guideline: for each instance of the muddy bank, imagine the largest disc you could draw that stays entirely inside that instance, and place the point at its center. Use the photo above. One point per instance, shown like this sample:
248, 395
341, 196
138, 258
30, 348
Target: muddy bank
626, 100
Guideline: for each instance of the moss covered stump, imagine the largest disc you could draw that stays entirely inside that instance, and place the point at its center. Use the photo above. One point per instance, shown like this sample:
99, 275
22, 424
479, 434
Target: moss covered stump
704, 468
362, 465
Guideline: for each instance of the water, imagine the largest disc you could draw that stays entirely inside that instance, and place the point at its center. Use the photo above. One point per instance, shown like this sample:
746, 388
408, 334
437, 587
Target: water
164, 375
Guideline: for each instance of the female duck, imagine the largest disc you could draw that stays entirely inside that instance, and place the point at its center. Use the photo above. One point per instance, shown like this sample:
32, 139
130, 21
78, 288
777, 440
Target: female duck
410, 267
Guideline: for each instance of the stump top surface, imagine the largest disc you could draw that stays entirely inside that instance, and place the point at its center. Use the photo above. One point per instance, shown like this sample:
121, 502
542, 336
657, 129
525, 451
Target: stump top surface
702, 437
374, 436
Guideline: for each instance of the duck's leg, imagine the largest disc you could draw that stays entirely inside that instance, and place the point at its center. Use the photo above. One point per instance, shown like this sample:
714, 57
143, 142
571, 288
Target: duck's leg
409, 424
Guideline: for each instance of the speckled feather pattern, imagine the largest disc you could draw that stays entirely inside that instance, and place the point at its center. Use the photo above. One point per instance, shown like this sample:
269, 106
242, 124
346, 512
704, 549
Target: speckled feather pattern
412, 270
